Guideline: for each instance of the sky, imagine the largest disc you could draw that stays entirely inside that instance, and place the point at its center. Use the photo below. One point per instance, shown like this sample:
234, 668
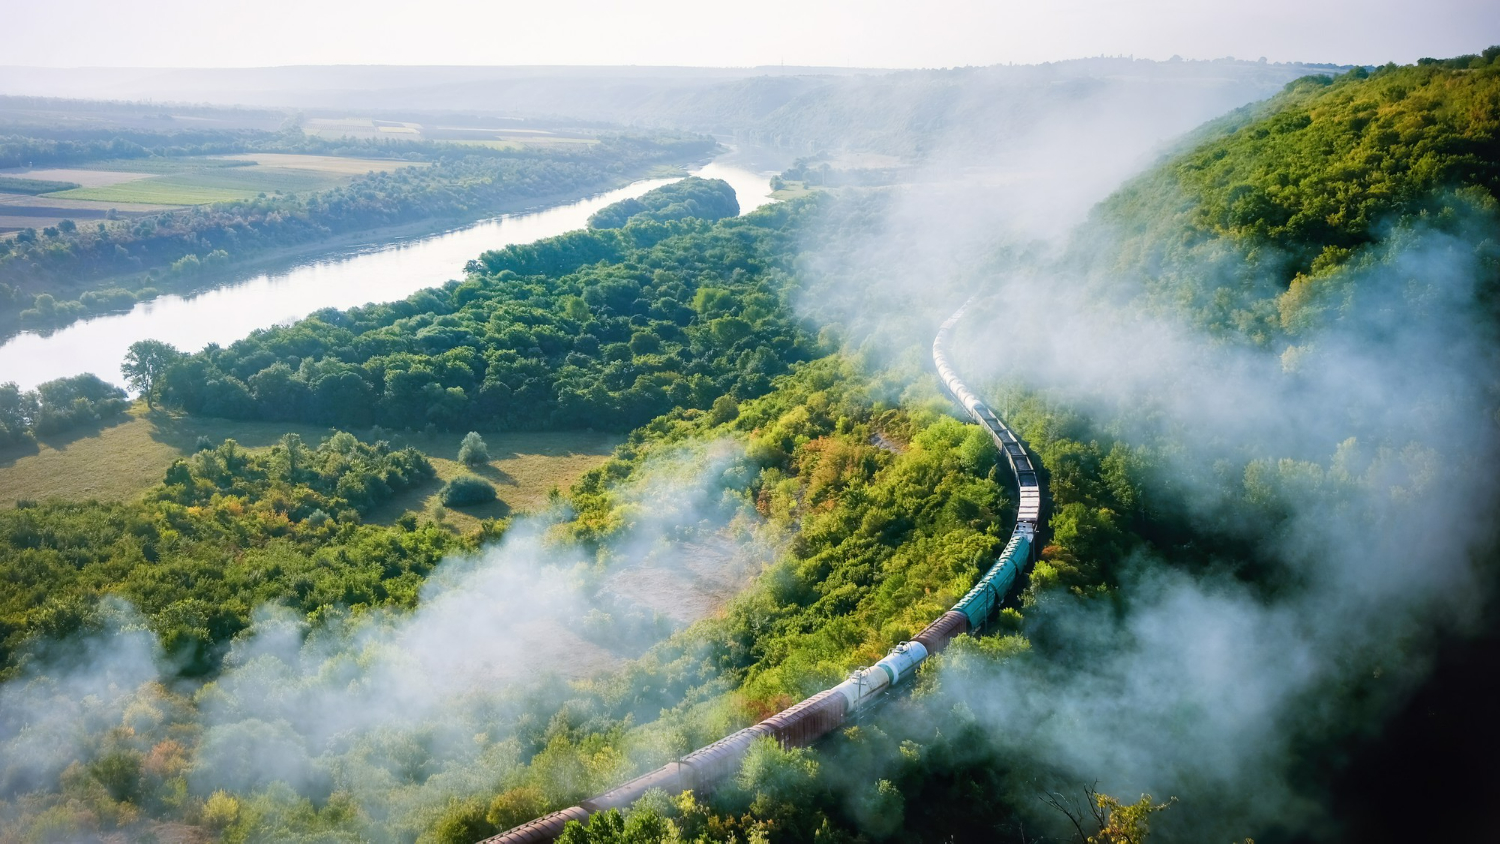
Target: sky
849, 33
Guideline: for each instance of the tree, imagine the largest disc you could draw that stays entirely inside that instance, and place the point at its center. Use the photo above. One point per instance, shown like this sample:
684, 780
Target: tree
472, 451
1116, 822
463, 822
641, 826
17, 410
725, 408
144, 364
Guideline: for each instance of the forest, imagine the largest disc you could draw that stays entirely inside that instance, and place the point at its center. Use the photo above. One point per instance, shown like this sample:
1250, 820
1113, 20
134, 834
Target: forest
703, 199
1288, 196
604, 328
242, 652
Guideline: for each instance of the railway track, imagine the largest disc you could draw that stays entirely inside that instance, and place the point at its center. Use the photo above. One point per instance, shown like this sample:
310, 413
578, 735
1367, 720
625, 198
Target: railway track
809, 720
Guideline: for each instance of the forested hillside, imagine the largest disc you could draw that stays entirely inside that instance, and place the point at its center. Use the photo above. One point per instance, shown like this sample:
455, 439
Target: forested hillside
1346, 225
1263, 222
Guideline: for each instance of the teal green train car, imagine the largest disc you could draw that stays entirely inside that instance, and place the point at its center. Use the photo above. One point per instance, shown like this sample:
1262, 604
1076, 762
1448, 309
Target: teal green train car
991, 589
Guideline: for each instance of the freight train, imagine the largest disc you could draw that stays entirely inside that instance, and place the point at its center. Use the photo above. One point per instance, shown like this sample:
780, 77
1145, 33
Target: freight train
807, 721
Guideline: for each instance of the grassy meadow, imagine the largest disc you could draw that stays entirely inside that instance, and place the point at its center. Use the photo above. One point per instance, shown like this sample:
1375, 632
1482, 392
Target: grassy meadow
44, 197
122, 461
165, 190
512, 138
199, 181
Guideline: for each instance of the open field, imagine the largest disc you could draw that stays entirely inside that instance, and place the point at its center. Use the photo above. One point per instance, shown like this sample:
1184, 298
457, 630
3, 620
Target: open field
503, 137
322, 163
792, 190
150, 185
360, 127
21, 211
25, 205
194, 181
524, 467
165, 166
521, 142
197, 181
164, 190
84, 178
120, 462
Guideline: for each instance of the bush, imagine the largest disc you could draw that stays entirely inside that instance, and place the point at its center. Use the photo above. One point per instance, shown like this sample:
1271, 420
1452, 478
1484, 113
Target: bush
472, 451
466, 491
220, 810
77, 401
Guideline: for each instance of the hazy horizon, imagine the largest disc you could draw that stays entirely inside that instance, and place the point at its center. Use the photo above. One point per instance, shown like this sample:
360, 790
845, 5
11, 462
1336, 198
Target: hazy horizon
878, 35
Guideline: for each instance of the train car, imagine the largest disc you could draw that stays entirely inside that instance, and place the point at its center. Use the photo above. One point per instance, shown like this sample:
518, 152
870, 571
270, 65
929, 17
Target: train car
710, 765
936, 636
669, 778
804, 723
543, 829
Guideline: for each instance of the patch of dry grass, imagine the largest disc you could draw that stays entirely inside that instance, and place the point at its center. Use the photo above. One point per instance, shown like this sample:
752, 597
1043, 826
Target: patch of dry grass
323, 163
120, 462
524, 467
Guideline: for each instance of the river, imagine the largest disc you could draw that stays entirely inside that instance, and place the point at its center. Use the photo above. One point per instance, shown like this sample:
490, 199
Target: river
373, 273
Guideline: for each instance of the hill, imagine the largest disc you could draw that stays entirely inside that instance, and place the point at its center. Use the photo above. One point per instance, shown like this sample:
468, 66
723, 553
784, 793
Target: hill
1283, 198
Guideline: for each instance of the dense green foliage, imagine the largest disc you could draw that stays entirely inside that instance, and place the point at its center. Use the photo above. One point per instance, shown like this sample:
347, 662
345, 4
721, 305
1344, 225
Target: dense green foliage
228, 531
146, 361
1250, 226
704, 199
57, 406
598, 328
467, 490
42, 272
18, 150
13, 184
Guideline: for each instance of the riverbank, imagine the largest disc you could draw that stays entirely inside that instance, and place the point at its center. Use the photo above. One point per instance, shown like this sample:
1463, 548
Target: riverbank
276, 259
382, 266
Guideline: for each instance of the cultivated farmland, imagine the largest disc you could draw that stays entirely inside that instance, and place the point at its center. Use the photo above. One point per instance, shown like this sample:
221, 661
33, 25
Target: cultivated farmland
128, 187
198, 181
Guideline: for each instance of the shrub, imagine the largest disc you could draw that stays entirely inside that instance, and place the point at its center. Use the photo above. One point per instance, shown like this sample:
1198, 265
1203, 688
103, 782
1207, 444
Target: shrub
472, 451
467, 490
220, 810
